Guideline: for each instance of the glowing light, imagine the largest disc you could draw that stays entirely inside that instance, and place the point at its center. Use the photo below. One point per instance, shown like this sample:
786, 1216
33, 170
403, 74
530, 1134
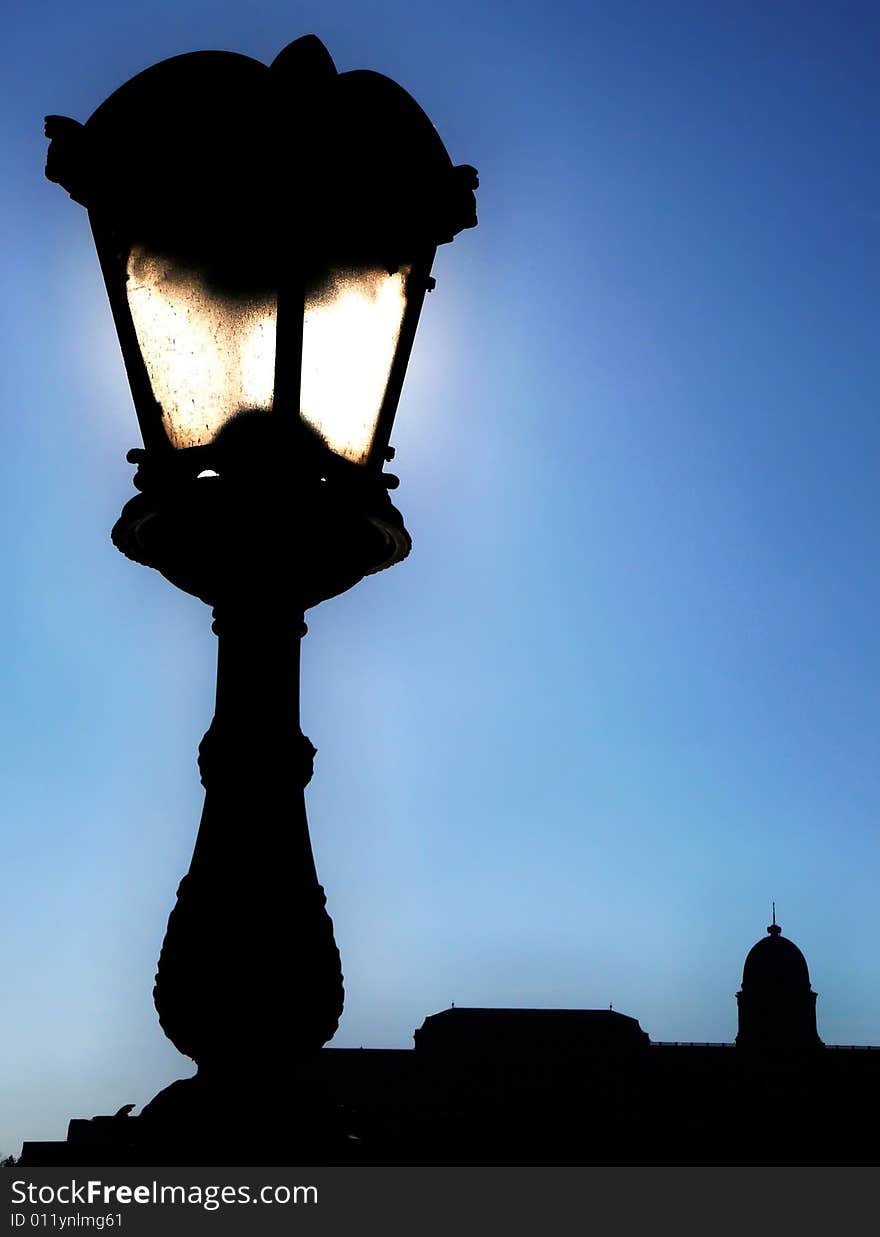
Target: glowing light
350, 334
207, 356
210, 356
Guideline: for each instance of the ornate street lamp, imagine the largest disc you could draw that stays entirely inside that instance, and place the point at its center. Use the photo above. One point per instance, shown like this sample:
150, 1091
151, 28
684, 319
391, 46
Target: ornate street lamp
266, 236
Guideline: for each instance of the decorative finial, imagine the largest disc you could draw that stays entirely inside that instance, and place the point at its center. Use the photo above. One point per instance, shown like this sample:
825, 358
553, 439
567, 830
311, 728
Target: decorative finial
774, 928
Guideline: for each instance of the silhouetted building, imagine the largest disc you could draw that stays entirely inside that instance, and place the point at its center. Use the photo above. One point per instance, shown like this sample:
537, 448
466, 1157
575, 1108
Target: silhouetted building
777, 1007
570, 1086
515, 1034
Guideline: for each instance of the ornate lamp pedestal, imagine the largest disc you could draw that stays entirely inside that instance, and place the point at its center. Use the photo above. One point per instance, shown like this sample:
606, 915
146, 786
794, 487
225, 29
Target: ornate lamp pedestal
249, 983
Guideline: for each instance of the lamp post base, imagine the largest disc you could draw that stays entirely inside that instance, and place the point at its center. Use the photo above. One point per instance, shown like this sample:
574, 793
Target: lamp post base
267, 1112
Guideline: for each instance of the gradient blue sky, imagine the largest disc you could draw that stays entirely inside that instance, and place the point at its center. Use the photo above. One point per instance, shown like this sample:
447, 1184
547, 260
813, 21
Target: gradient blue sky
626, 689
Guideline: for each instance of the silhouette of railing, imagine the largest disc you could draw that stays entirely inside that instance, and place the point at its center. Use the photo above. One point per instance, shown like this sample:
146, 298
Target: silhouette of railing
693, 1043
690, 1043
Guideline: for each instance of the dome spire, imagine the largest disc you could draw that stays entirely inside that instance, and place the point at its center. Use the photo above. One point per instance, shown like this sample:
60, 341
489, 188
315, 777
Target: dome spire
774, 928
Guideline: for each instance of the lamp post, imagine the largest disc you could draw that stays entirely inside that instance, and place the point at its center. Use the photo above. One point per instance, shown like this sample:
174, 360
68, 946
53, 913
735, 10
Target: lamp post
266, 236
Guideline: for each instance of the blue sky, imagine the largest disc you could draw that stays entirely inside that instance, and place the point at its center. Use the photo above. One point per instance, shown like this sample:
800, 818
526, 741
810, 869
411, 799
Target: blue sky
626, 688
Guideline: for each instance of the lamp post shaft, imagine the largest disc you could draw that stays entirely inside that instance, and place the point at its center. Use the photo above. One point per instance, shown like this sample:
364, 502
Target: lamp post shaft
249, 973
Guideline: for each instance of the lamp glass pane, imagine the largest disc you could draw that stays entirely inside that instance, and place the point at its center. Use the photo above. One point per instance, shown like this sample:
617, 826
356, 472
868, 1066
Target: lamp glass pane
350, 335
208, 354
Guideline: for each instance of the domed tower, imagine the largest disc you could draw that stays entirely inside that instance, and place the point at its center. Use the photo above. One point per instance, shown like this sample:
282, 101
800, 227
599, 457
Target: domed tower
777, 1007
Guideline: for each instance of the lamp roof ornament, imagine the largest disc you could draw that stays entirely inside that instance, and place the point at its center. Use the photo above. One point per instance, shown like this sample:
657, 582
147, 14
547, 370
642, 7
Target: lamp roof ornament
296, 139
